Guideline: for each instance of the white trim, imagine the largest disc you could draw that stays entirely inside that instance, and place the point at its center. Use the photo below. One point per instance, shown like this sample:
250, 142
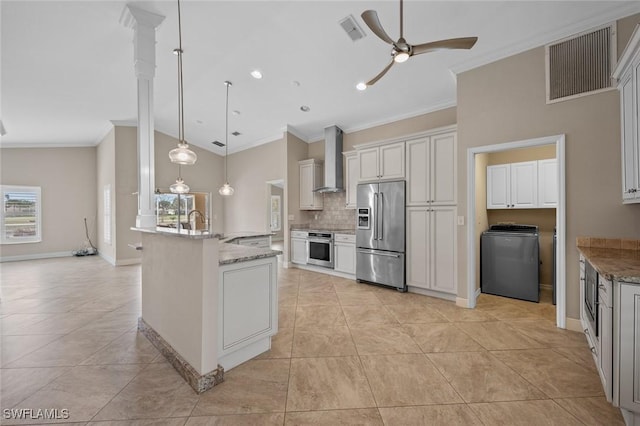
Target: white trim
613, 14
574, 325
297, 133
559, 141
418, 135
107, 258
103, 133
35, 256
629, 53
431, 293
254, 144
46, 145
130, 261
320, 269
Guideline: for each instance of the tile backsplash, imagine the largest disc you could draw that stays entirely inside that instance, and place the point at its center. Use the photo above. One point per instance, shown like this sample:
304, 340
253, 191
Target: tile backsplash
334, 214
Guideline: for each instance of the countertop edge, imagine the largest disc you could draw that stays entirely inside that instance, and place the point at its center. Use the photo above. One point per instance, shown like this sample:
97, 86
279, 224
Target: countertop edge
597, 258
181, 233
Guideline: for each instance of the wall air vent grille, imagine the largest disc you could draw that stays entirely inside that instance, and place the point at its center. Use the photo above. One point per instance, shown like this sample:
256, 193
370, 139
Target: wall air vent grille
218, 143
581, 64
351, 27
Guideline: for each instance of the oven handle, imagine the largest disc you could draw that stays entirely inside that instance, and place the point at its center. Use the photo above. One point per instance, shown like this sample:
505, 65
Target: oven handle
319, 240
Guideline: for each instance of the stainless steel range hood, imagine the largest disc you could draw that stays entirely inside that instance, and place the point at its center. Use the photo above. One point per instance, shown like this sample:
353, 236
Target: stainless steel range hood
332, 160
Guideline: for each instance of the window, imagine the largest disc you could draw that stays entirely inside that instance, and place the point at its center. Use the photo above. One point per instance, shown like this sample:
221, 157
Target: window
21, 220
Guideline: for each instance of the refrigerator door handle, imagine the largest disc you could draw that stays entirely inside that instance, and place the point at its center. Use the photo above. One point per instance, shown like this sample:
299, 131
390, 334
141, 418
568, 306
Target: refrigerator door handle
381, 210
374, 219
379, 253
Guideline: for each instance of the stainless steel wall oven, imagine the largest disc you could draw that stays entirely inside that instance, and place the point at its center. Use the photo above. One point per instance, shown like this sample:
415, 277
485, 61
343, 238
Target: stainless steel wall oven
591, 296
320, 249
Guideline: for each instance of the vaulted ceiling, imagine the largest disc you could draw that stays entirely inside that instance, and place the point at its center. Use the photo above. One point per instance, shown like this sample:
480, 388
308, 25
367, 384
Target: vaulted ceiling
67, 66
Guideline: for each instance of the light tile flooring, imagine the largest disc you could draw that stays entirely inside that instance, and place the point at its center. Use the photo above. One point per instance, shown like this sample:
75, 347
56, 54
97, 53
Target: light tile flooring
346, 353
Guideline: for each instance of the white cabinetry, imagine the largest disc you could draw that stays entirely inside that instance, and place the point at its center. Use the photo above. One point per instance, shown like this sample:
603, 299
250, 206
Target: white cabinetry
629, 312
548, 183
605, 336
299, 247
431, 170
431, 254
351, 184
512, 185
258, 242
345, 253
628, 74
381, 162
311, 176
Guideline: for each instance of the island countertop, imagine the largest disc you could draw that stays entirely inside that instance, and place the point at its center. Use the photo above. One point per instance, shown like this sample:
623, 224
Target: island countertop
614, 259
234, 253
227, 238
183, 233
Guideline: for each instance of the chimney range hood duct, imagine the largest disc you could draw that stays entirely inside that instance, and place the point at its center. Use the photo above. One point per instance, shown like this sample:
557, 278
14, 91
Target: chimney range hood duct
332, 160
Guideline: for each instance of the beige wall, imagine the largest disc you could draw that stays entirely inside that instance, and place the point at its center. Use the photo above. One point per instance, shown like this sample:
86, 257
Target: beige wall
67, 177
505, 101
249, 172
106, 175
543, 152
126, 205
296, 150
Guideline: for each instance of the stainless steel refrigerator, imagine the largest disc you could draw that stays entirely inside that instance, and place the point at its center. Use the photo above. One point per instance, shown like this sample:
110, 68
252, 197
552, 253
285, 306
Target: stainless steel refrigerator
380, 234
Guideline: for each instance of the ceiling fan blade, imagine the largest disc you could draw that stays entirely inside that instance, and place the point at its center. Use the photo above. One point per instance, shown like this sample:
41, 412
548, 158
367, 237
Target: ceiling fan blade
379, 76
370, 17
451, 43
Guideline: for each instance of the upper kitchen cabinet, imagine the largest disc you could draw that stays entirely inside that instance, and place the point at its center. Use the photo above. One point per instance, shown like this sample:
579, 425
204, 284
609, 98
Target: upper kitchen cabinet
311, 178
351, 184
628, 75
525, 185
431, 170
381, 162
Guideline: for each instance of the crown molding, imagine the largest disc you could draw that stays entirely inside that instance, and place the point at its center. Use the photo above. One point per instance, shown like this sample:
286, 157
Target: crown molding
297, 133
103, 133
613, 14
46, 145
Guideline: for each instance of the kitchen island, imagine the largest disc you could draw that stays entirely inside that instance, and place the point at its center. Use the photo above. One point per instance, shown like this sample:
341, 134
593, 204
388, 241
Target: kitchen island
610, 316
206, 305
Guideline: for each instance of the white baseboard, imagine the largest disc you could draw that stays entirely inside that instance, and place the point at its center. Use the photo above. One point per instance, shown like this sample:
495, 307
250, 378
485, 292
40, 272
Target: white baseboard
322, 270
431, 293
574, 324
131, 261
108, 259
35, 256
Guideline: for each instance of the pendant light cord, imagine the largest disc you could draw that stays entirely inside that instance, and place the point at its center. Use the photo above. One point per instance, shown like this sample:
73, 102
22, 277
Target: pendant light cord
226, 133
178, 51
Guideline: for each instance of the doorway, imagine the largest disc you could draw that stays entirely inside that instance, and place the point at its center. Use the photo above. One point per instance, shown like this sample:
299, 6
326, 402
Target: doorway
274, 211
473, 232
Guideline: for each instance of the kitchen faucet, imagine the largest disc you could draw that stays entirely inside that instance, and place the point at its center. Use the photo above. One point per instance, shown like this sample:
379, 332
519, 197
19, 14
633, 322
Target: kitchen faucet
203, 219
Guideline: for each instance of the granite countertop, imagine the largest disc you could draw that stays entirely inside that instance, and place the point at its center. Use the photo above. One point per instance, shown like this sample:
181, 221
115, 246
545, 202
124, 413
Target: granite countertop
335, 230
234, 253
183, 233
227, 238
615, 259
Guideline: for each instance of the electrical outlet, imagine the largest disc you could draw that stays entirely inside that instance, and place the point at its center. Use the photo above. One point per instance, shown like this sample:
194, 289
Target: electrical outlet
460, 220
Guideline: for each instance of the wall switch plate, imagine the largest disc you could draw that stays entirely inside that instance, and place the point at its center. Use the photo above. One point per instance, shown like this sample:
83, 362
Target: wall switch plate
292, 217
460, 220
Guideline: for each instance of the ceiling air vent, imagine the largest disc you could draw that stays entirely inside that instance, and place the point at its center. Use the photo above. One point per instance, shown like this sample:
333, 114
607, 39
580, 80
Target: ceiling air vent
351, 27
218, 143
581, 64
236, 133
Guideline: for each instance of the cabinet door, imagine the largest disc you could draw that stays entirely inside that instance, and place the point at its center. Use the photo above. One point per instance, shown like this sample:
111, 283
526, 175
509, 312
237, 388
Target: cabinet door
629, 141
605, 353
298, 251
498, 187
345, 258
418, 172
391, 161
524, 183
306, 185
368, 164
548, 183
352, 180
417, 246
443, 169
442, 249
629, 347
318, 181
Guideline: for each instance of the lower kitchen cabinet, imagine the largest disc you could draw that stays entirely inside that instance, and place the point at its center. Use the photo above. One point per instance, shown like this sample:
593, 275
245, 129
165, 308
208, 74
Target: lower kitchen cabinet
605, 336
431, 253
630, 347
345, 253
299, 247
258, 242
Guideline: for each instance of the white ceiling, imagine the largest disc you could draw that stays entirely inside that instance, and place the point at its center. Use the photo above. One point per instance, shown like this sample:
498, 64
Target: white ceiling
67, 66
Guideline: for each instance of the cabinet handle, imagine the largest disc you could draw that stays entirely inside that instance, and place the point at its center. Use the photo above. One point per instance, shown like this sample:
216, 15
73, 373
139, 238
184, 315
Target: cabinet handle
593, 349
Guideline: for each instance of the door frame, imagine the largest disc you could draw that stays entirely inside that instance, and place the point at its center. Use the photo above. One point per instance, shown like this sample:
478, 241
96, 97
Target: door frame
559, 142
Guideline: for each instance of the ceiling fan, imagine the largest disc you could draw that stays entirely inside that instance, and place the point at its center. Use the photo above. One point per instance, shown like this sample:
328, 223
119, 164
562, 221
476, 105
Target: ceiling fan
401, 50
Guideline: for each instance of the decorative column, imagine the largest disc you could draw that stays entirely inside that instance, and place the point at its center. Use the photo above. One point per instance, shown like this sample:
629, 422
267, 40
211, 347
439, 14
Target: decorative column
144, 26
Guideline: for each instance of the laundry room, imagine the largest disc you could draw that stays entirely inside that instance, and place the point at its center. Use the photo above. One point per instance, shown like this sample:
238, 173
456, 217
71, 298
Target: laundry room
517, 187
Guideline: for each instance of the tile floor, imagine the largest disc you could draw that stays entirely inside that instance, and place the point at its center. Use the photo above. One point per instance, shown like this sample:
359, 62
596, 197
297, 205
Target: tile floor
346, 353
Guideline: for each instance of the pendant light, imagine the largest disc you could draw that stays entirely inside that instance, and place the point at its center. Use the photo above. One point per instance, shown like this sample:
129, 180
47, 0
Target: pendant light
179, 187
182, 154
226, 189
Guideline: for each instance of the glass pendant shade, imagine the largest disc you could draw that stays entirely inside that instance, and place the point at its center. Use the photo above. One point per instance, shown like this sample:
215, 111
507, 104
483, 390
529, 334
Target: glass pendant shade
179, 187
226, 189
183, 155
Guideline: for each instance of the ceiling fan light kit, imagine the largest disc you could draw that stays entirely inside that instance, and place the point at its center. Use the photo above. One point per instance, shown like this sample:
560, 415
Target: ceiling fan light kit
401, 50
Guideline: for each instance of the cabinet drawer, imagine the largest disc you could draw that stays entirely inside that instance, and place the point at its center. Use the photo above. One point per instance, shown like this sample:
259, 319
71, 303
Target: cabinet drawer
345, 238
299, 234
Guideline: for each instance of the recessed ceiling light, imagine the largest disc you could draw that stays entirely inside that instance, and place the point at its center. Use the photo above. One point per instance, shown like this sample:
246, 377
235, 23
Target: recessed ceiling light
361, 86
305, 108
295, 83
199, 121
235, 112
256, 74
236, 133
